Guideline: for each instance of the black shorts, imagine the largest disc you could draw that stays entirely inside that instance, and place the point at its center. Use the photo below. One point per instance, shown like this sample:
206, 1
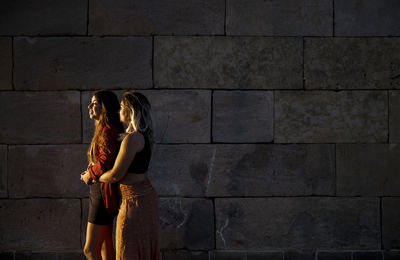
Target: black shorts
97, 212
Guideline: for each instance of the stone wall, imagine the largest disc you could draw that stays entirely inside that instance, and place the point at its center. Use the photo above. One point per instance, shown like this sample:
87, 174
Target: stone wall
277, 123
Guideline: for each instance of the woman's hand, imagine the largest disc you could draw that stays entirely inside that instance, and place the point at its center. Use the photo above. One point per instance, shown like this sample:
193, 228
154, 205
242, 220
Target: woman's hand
85, 177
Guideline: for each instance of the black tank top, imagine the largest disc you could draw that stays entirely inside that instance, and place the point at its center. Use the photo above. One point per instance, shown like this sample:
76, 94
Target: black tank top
140, 163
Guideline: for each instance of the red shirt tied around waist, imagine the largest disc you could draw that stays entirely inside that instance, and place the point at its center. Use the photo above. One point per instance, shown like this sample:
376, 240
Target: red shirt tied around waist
105, 155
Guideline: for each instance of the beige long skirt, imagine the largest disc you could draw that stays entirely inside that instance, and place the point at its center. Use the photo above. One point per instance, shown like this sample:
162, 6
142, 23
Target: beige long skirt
137, 235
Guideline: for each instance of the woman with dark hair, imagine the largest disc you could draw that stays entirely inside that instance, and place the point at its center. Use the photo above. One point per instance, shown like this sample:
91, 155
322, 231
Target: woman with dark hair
137, 221
103, 200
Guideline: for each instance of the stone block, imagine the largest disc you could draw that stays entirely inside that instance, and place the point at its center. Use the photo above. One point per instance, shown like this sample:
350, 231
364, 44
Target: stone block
391, 255
84, 220
3, 171
185, 255
327, 117
5, 63
264, 255
390, 223
152, 17
303, 223
40, 224
43, 17
293, 255
71, 255
279, 17
394, 116
272, 170
179, 116
367, 18
36, 256
189, 166
47, 171
186, 223
367, 169
352, 63
334, 256
82, 63
368, 255
40, 117
228, 255
243, 116
228, 62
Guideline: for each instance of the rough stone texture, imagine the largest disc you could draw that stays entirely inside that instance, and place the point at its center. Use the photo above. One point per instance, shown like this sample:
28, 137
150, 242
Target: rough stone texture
368, 169
71, 255
394, 116
297, 223
321, 116
228, 255
47, 171
352, 63
43, 17
84, 220
5, 63
146, 17
367, 18
180, 116
334, 256
272, 170
390, 223
228, 62
40, 224
3, 171
185, 255
264, 255
367, 255
36, 256
258, 17
186, 223
391, 255
82, 63
243, 116
40, 117
299, 255
189, 166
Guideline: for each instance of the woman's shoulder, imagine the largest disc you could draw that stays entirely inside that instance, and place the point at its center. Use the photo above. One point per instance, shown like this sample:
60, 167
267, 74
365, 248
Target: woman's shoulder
134, 139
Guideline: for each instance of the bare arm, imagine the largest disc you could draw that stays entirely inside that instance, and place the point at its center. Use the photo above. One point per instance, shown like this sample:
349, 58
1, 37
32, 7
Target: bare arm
131, 144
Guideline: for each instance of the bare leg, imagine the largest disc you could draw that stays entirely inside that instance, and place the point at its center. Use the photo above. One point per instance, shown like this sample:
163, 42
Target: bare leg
96, 235
107, 249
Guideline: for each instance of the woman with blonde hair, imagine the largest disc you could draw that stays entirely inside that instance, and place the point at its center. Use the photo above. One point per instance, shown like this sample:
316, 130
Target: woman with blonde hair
103, 201
137, 221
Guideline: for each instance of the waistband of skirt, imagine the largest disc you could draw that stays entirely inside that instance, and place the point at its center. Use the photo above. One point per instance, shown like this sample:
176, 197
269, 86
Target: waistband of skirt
135, 190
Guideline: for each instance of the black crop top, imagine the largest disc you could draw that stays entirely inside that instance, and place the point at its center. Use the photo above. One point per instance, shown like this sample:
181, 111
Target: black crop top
140, 163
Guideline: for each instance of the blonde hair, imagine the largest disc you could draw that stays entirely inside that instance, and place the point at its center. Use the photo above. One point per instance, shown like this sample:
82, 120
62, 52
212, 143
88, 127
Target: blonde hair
139, 115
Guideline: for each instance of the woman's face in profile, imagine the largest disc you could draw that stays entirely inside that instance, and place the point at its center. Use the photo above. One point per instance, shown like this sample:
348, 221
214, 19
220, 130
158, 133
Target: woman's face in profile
123, 114
94, 109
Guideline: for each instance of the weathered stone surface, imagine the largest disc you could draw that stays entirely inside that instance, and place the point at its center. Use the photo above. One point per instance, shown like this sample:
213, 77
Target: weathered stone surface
352, 63
189, 166
272, 170
185, 255
71, 255
367, 18
3, 171
146, 17
40, 224
179, 116
243, 116
279, 17
264, 255
43, 17
84, 220
5, 63
294, 255
321, 116
368, 255
36, 256
394, 117
368, 169
228, 62
297, 223
334, 256
40, 117
228, 255
47, 171
391, 223
186, 223
391, 255
82, 63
